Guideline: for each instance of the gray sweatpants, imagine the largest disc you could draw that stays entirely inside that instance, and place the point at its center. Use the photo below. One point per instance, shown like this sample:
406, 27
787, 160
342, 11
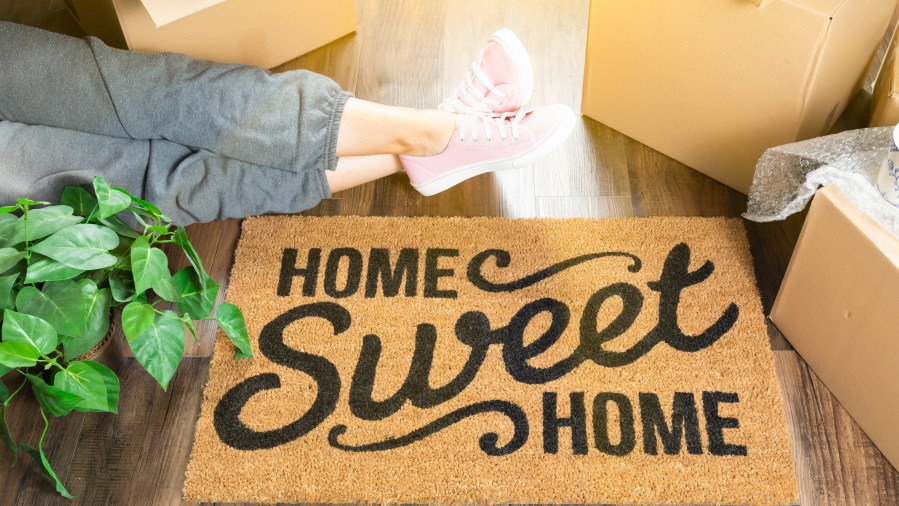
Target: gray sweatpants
202, 140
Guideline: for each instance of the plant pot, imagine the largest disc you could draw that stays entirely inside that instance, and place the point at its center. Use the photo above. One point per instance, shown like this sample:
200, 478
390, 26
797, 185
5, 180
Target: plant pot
107, 352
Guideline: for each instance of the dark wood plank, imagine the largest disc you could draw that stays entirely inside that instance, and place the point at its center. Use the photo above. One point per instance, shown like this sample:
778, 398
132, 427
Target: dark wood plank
835, 461
60, 445
139, 456
136, 457
24, 425
661, 186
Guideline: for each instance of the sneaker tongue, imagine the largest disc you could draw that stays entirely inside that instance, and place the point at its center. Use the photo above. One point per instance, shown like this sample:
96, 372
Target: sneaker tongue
500, 70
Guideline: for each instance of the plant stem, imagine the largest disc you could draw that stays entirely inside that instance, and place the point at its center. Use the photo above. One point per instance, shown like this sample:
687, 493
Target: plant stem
51, 361
16, 391
27, 249
40, 442
91, 215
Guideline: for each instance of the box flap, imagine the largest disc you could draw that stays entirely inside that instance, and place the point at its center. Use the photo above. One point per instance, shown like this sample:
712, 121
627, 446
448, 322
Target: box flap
879, 239
164, 12
822, 7
240, 31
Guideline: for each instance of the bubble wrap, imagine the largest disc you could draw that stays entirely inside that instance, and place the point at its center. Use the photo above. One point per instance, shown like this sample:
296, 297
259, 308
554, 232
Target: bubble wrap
788, 176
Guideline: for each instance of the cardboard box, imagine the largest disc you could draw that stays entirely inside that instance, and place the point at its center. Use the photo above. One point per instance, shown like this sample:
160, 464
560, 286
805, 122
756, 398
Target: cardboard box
255, 32
714, 83
885, 103
838, 307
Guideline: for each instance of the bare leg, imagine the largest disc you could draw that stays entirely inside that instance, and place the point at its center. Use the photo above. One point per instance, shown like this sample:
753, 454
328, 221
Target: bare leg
367, 128
371, 135
357, 170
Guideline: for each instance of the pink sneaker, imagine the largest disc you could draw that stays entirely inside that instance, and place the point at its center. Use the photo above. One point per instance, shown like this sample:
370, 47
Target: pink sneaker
500, 80
485, 143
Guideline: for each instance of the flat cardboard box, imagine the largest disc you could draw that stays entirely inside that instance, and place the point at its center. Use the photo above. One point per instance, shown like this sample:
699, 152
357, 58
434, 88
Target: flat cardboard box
838, 307
266, 33
885, 102
714, 83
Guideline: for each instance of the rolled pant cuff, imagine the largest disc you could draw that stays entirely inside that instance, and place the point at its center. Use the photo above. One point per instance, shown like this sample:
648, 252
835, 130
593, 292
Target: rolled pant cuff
340, 98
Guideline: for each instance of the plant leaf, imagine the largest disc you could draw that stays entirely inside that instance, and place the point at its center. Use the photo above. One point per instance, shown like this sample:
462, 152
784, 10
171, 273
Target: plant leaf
41, 460
95, 383
18, 354
159, 348
81, 246
190, 326
19, 268
111, 200
138, 211
165, 287
54, 400
9, 257
231, 321
119, 227
6, 291
190, 252
137, 318
148, 264
159, 229
123, 253
153, 211
24, 328
60, 303
122, 286
79, 199
47, 221
7, 437
41, 223
23, 201
7, 228
196, 300
47, 269
97, 303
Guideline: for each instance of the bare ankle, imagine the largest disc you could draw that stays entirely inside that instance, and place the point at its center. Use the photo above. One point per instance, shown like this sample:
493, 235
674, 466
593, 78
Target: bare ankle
431, 134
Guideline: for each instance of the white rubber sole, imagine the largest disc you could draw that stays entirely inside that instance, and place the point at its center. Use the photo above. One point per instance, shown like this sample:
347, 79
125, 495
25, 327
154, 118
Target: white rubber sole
512, 44
452, 178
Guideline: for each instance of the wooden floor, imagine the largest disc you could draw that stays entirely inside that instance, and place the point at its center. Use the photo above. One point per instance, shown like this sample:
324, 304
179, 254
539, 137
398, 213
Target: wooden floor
411, 53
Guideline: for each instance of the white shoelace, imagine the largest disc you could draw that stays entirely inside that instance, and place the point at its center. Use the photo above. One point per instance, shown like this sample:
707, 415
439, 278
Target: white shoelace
466, 98
475, 123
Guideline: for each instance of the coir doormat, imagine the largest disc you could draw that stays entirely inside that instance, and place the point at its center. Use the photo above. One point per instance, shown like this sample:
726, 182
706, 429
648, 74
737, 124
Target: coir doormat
460, 360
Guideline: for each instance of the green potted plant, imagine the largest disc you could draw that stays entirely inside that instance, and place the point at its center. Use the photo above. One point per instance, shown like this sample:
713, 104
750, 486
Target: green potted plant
64, 271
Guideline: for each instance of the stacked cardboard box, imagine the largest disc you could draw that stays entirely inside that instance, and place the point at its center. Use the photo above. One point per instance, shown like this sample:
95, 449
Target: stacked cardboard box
838, 307
255, 32
713, 84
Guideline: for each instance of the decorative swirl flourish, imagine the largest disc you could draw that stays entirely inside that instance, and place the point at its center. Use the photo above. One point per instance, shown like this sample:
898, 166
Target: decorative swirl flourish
503, 259
488, 442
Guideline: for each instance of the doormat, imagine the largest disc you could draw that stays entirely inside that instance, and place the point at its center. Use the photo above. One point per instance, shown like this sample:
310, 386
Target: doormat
492, 360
